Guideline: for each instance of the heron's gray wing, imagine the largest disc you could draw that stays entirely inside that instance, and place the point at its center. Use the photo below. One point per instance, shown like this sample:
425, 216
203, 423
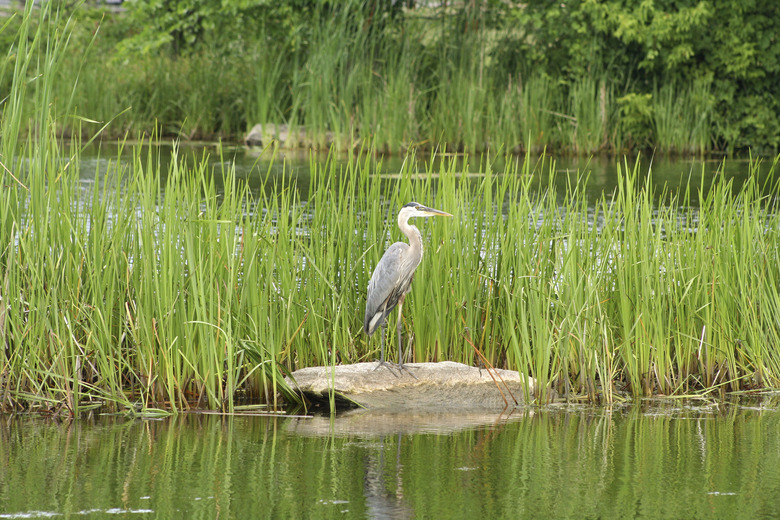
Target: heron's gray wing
388, 283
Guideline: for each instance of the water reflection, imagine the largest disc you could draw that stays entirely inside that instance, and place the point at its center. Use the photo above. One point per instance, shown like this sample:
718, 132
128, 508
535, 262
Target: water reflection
383, 483
253, 166
650, 461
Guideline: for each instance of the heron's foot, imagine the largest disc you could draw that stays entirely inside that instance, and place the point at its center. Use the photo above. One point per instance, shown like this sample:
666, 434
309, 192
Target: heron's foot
389, 366
401, 367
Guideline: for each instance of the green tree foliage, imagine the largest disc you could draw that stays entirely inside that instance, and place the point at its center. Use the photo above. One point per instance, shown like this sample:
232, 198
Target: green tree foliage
188, 26
185, 26
733, 45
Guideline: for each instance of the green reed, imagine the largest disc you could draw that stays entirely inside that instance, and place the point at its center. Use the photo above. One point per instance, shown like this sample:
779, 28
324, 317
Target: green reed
682, 117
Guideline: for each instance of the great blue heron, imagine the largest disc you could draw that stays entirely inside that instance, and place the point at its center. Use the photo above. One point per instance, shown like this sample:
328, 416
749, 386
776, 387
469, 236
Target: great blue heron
392, 277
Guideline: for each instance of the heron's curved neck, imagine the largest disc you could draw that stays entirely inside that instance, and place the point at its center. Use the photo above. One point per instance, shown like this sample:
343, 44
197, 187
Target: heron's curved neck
413, 234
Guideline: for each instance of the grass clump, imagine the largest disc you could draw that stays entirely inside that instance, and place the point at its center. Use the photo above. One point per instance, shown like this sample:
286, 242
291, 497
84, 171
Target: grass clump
178, 287
639, 293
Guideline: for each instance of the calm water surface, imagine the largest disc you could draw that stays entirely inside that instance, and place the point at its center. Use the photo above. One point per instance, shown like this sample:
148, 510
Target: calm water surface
650, 461
601, 172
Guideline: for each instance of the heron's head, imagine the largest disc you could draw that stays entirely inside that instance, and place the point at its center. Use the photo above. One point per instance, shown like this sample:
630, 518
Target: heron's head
415, 209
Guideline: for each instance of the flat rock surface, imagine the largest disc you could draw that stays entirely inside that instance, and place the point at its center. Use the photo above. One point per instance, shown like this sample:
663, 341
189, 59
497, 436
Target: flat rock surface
441, 386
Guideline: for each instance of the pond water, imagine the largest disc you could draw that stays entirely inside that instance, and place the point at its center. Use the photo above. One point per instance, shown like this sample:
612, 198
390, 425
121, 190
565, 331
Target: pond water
655, 460
253, 166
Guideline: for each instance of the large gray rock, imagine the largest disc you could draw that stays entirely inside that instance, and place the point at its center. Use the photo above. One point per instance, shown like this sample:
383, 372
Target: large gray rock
267, 133
282, 136
440, 386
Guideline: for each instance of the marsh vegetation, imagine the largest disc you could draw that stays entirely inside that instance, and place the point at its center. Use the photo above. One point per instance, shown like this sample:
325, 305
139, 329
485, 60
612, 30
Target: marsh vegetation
506, 77
151, 288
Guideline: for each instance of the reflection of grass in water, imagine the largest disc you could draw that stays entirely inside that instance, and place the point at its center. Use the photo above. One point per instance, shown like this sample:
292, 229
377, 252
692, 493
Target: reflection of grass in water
625, 463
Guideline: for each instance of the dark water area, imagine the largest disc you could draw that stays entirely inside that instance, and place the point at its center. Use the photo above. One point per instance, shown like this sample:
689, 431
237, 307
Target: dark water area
670, 175
655, 460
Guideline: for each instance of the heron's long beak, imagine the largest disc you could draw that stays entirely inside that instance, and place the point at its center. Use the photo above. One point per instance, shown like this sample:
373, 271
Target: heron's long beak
430, 212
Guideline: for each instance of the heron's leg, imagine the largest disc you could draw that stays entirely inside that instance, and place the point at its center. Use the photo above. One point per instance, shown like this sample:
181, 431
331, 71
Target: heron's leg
382, 361
398, 330
401, 365
382, 346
